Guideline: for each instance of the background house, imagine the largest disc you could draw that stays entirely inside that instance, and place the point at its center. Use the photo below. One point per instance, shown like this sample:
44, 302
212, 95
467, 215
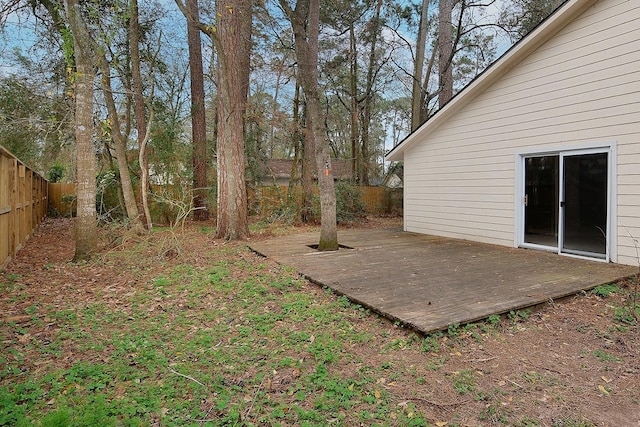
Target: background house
278, 171
542, 150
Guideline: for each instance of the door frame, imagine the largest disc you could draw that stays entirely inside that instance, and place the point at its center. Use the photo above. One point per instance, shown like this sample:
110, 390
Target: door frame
561, 151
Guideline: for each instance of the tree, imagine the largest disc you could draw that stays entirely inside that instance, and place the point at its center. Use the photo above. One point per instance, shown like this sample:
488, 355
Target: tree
139, 108
232, 39
86, 226
466, 41
369, 98
418, 91
35, 104
445, 52
355, 75
119, 136
198, 118
522, 16
234, 46
305, 22
24, 114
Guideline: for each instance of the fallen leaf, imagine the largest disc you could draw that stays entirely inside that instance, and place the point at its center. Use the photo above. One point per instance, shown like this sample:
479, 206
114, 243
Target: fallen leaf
602, 389
441, 423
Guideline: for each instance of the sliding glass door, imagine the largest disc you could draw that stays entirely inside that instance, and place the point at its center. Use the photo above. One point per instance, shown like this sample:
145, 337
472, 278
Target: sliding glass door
585, 204
541, 200
566, 202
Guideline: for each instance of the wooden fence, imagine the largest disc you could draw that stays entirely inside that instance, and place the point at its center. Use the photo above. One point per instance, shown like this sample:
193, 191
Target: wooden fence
62, 199
23, 204
377, 200
262, 200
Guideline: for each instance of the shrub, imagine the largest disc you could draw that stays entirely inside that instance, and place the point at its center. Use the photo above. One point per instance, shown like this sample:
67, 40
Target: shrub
349, 205
56, 173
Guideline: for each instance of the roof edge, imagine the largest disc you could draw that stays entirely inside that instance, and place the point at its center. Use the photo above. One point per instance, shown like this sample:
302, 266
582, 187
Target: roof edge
514, 55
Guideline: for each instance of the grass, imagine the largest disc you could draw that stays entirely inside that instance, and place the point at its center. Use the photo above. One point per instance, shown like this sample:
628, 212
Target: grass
237, 340
197, 347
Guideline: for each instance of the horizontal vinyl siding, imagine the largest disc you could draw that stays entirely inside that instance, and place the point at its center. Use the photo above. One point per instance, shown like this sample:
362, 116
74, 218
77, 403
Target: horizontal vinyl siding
581, 87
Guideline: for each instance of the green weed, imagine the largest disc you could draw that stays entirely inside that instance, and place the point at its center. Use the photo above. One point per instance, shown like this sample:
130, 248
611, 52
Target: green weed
464, 381
603, 356
454, 330
519, 315
431, 343
604, 291
627, 315
493, 414
573, 422
494, 320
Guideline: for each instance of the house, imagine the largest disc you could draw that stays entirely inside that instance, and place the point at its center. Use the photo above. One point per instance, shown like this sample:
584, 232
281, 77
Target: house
278, 171
542, 150
393, 177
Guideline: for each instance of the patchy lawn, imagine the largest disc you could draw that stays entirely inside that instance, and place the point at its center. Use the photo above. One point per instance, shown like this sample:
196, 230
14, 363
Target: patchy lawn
180, 329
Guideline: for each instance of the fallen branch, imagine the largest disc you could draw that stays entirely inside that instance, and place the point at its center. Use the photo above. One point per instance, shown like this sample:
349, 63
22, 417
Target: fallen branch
17, 319
555, 371
187, 377
441, 405
488, 359
255, 395
513, 382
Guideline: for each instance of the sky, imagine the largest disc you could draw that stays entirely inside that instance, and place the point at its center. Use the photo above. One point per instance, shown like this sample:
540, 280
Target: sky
19, 34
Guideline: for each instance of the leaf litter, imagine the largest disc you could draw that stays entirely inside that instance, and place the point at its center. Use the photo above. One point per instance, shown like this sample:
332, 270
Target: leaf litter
274, 349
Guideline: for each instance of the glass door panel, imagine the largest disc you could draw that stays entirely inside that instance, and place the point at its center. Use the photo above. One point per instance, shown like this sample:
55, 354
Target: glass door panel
585, 199
541, 200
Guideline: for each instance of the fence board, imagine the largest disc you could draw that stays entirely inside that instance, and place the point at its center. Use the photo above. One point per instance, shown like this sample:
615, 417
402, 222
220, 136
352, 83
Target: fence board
377, 200
62, 198
5, 207
23, 201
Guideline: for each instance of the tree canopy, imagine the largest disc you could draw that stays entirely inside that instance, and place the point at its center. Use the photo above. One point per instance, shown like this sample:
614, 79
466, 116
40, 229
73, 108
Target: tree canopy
380, 69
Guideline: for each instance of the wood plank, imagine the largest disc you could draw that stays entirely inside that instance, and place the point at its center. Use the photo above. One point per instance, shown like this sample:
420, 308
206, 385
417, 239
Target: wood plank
22, 204
429, 283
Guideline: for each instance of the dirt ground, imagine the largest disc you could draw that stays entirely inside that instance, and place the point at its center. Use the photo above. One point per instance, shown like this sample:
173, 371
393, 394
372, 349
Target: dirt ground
574, 362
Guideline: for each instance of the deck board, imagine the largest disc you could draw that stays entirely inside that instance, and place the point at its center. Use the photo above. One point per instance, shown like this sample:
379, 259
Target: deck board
429, 283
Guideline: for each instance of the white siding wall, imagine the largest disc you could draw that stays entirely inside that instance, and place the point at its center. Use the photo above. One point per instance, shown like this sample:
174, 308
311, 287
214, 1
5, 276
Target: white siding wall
581, 87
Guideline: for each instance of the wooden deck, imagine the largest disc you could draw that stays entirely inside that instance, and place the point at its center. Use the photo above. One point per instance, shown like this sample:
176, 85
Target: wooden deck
429, 283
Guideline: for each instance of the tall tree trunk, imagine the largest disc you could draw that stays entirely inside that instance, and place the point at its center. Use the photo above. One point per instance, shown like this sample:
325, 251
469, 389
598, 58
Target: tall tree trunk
198, 119
445, 52
86, 221
138, 102
305, 22
369, 97
417, 96
308, 165
305, 155
120, 146
234, 36
354, 116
